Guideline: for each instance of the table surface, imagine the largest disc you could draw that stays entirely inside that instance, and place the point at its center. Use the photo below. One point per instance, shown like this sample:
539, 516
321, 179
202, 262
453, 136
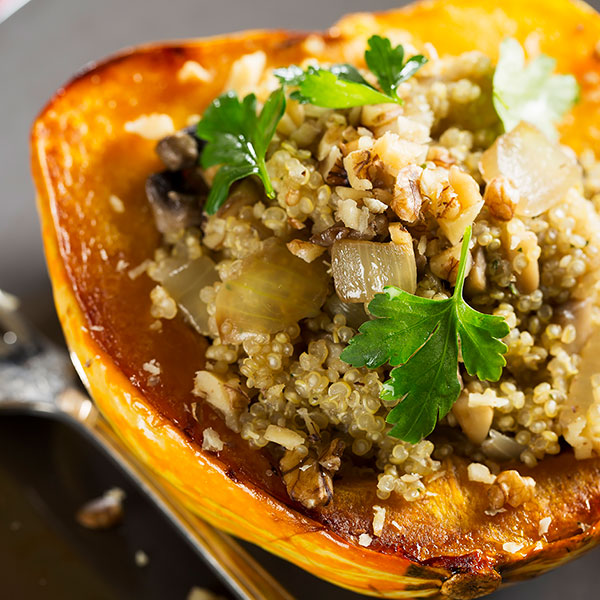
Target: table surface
41, 45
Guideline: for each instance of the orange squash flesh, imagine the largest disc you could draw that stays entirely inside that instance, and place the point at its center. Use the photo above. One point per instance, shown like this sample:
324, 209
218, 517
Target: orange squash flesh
443, 545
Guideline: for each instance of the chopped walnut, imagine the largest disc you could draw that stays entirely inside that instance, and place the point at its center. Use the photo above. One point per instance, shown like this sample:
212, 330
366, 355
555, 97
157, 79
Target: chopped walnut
225, 398
308, 478
401, 237
331, 458
501, 198
496, 497
407, 199
445, 264
440, 155
358, 165
332, 168
511, 488
103, 512
461, 204
307, 251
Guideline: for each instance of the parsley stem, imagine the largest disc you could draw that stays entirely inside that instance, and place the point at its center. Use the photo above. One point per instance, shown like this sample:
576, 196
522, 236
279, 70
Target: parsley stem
264, 175
462, 266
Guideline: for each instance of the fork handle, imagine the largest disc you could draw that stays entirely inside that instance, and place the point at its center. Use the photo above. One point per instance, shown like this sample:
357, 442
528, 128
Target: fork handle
246, 578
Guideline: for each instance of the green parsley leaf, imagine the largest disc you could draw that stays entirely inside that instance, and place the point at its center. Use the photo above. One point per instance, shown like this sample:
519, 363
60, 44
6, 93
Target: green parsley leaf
237, 139
388, 64
420, 338
343, 86
324, 88
349, 73
294, 75
531, 93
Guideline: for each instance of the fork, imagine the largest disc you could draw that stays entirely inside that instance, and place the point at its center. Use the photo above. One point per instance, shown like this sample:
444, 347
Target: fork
37, 378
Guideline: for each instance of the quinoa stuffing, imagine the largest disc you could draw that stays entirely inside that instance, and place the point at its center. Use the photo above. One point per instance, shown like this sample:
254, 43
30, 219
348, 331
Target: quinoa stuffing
280, 237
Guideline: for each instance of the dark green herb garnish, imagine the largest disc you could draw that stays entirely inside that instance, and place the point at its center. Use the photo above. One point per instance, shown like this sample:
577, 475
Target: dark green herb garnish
342, 85
237, 139
388, 64
420, 338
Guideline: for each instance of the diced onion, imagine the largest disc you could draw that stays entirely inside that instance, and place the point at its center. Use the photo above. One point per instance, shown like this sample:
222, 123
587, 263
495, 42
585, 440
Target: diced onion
272, 290
501, 447
184, 279
539, 169
362, 269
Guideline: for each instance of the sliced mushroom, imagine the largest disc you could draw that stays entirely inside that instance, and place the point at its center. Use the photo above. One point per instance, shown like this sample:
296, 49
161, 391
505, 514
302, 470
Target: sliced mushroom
180, 150
334, 233
174, 205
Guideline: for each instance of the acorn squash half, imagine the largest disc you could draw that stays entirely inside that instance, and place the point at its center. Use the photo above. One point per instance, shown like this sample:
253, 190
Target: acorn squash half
443, 545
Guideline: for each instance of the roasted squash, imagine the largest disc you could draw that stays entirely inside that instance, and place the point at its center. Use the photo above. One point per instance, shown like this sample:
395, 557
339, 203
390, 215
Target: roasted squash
442, 546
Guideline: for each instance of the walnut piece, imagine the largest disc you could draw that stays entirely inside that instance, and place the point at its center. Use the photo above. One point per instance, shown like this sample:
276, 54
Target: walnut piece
225, 398
511, 488
103, 512
308, 478
501, 198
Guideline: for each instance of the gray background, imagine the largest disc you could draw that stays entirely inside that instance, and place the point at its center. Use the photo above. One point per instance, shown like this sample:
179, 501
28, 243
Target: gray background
45, 42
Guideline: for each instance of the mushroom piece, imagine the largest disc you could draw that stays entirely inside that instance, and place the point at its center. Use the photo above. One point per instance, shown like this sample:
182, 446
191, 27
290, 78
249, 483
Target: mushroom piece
309, 478
332, 234
174, 204
180, 150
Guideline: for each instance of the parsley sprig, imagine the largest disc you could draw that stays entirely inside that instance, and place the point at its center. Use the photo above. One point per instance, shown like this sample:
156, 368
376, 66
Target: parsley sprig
419, 337
342, 85
388, 64
531, 92
237, 138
